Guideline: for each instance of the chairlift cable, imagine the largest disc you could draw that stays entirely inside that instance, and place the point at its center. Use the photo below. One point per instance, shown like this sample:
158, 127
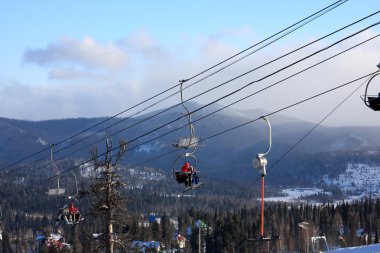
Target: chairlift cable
268, 86
275, 112
227, 130
238, 76
272, 113
319, 122
276, 83
322, 120
182, 81
267, 44
323, 11
250, 83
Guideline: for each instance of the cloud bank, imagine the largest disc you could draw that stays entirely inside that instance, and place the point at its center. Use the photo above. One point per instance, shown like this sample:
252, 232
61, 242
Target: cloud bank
84, 53
88, 78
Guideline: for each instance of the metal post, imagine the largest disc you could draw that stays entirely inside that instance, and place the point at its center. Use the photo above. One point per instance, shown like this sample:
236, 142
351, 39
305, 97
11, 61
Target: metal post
262, 208
199, 250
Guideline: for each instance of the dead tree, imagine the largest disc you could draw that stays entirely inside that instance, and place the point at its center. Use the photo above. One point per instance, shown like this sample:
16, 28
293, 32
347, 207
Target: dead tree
107, 203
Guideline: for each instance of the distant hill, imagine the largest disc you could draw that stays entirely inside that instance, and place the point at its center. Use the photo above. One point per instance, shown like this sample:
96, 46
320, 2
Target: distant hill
226, 157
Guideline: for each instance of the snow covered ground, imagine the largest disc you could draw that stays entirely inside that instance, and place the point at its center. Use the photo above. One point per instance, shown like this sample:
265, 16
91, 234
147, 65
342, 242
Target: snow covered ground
358, 181
358, 178
294, 194
373, 248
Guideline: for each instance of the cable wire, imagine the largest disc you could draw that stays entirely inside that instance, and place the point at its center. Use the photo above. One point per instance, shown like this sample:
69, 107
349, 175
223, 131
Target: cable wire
228, 130
240, 125
251, 94
259, 118
318, 14
272, 167
254, 93
235, 78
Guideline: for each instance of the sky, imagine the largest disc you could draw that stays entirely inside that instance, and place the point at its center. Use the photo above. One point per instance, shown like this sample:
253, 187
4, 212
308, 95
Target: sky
71, 59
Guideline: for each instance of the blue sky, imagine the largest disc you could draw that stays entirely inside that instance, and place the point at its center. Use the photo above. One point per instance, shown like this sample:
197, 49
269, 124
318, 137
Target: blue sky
68, 59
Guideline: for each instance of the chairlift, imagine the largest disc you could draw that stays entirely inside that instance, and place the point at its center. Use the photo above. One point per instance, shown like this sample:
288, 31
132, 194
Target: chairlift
260, 163
372, 101
190, 178
55, 191
192, 141
69, 213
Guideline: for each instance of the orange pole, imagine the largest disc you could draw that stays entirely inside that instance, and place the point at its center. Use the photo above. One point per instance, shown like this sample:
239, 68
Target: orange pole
262, 208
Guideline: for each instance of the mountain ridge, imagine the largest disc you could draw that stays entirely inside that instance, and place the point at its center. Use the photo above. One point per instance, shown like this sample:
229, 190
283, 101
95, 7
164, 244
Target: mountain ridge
226, 156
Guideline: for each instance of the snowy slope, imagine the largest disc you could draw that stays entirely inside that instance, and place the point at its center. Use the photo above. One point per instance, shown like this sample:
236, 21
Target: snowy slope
357, 181
295, 194
374, 248
358, 178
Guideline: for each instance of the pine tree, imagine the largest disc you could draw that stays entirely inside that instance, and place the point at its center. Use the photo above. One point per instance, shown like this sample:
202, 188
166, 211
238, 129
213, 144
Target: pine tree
167, 232
6, 245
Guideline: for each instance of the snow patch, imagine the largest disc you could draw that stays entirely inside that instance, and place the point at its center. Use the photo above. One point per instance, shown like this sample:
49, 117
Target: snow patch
373, 248
146, 148
349, 142
42, 141
295, 194
87, 170
358, 178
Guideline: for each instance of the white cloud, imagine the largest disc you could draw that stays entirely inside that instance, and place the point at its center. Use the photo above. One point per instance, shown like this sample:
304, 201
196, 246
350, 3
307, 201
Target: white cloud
68, 101
70, 74
85, 53
142, 43
152, 68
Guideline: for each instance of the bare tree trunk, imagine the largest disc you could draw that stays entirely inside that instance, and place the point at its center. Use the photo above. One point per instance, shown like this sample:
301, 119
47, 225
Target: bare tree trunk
107, 202
109, 212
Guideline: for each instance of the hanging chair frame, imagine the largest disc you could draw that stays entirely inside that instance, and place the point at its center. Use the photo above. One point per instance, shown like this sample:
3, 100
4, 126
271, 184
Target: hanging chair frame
192, 141
77, 217
187, 155
62, 192
371, 101
260, 163
55, 191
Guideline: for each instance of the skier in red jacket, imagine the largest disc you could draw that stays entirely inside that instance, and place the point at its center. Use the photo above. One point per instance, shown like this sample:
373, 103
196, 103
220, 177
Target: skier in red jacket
74, 213
185, 175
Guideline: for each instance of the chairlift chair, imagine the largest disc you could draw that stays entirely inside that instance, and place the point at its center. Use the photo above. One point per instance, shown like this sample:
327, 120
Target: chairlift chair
69, 218
55, 191
181, 177
77, 216
65, 214
72, 218
372, 101
192, 141
187, 142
